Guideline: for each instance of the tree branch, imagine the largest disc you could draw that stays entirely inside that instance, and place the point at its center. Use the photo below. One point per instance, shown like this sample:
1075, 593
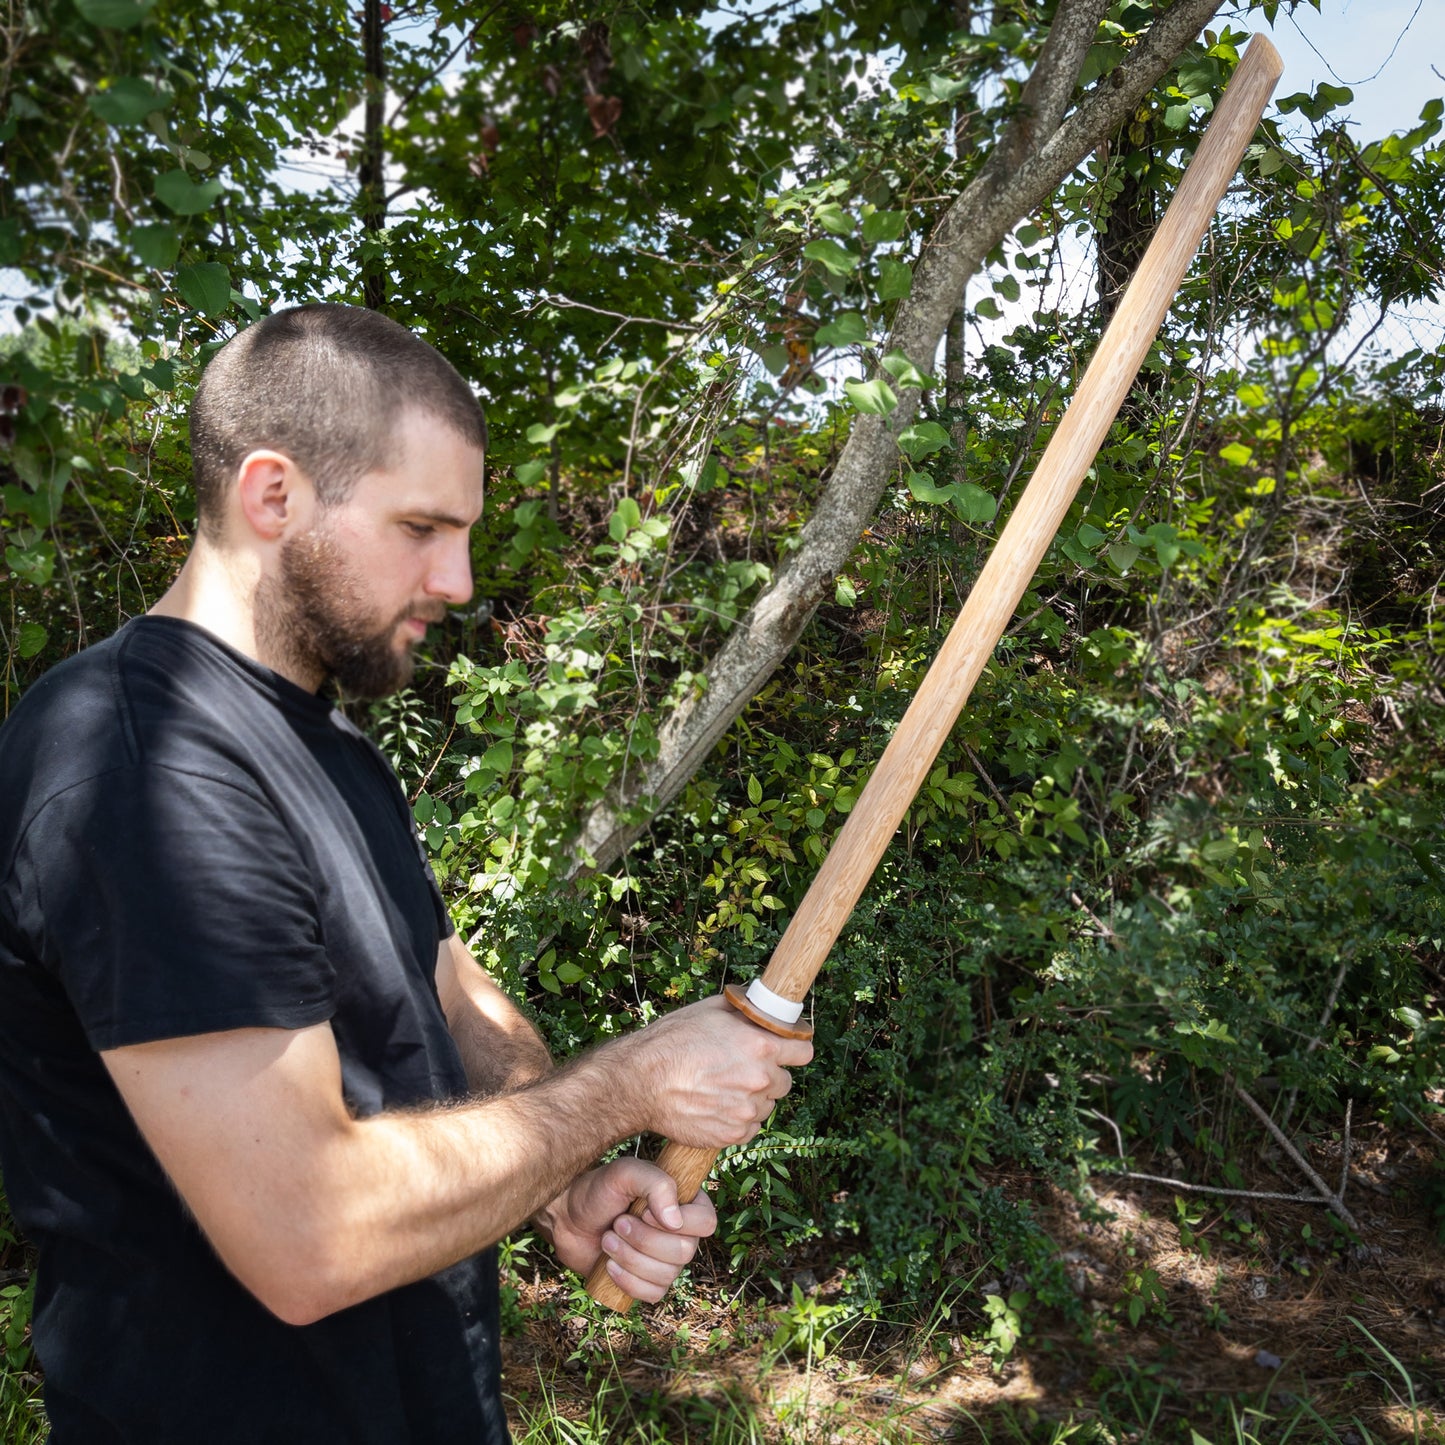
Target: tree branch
1005, 190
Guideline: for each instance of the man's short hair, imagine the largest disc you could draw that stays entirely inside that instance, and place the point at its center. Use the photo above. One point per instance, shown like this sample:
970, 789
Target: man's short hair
324, 385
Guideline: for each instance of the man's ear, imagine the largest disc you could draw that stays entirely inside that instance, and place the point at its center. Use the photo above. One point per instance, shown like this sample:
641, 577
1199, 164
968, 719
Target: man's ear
273, 494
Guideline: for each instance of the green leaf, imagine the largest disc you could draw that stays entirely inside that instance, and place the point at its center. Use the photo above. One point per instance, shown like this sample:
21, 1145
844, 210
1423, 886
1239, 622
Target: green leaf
775, 359
831, 256
179, 193
922, 439
987, 307
1089, 536
205, 286
35, 566
895, 279
884, 226
903, 371
31, 639
1122, 556
924, 489
1007, 286
114, 14
627, 516
875, 398
498, 757
570, 973
156, 244
832, 217
974, 504
528, 472
539, 435
755, 790
844, 593
127, 100
942, 89
1236, 454
845, 330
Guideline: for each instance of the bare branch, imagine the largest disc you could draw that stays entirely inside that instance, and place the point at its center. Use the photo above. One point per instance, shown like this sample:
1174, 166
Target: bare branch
1299, 1160
1005, 190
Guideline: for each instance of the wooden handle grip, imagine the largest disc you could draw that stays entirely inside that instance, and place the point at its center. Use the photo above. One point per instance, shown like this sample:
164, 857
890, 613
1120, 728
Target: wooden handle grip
690, 1167
1007, 573
1036, 519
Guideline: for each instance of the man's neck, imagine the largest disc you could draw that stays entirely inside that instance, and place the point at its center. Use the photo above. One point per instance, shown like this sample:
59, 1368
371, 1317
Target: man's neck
217, 589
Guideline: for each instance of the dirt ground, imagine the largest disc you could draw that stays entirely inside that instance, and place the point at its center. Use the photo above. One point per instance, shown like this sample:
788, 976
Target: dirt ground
1189, 1316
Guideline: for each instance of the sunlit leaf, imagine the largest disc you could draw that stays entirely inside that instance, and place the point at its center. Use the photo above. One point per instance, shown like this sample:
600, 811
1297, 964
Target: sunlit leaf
876, 397
831, 256
179, 193
205, 286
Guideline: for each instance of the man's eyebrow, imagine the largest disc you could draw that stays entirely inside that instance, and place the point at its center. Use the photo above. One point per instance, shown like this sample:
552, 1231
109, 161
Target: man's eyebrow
444, 519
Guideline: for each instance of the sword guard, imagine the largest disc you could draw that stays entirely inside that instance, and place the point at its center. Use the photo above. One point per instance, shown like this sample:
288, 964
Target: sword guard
737, 996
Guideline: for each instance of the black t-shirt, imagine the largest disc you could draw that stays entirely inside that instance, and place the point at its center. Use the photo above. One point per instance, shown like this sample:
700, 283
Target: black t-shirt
190, 843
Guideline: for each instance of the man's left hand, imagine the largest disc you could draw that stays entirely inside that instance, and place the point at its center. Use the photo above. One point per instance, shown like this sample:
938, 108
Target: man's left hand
645, 1253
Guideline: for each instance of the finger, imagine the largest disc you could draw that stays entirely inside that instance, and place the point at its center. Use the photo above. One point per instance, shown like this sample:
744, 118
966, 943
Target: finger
648, 1255
635, 1286
667, 1246
699, 1219
637, 1179
794, 1053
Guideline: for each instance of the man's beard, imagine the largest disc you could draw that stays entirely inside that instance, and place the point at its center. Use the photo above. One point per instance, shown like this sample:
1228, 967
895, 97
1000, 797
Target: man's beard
313, 619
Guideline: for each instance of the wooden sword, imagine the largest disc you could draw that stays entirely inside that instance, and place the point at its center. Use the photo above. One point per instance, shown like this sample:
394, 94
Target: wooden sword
775, 1001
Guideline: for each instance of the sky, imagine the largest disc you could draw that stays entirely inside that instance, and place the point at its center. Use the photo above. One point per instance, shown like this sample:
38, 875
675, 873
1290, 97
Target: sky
1391, 53
1383, 50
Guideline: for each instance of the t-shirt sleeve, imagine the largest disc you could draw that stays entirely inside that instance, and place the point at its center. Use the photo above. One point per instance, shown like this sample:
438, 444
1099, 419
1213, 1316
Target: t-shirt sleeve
171, 904
445, 926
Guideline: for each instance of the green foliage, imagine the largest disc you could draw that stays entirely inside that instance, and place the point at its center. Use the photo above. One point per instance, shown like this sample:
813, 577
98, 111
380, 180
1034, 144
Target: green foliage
1187, 834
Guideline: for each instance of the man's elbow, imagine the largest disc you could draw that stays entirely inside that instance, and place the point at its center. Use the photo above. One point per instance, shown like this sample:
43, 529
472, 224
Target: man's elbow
301, 1275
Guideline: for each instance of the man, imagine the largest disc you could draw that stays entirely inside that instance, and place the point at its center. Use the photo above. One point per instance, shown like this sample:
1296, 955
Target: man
259, 1109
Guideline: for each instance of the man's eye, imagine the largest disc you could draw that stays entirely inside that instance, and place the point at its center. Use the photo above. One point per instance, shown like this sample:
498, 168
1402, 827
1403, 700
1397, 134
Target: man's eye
419, 529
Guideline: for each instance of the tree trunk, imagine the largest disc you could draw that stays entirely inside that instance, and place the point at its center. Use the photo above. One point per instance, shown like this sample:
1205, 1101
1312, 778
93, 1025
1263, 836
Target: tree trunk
1041, 148
1129, 220
371, 171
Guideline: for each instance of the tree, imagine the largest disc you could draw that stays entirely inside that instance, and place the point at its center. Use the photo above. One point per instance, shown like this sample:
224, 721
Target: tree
1041, 146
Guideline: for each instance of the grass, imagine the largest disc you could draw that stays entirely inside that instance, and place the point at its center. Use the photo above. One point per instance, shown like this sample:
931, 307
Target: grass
726, 1363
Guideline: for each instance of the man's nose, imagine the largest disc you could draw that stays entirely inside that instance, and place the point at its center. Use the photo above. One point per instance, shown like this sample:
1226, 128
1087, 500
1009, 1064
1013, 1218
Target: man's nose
451, 577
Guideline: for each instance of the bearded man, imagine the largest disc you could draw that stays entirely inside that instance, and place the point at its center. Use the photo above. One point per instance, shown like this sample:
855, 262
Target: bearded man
260, 1111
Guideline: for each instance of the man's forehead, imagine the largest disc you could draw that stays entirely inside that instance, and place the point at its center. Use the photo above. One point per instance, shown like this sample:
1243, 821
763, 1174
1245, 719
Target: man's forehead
432, 472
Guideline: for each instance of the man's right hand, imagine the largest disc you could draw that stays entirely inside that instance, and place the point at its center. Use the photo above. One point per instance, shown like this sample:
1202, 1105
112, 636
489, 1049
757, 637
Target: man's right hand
712, 1077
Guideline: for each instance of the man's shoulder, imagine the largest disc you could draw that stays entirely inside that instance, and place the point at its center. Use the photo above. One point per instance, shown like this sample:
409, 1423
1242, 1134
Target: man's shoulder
64, 710
129, 701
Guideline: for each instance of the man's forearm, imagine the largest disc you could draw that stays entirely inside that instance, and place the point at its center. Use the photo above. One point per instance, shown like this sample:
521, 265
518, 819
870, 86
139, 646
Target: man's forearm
313, 1209
423, 1190
500, 1049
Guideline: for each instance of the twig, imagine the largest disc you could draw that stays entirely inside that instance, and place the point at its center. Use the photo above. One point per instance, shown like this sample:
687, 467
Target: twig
973, 757
1345, 1162
1104, 930
1328, 1196
565, 303
1319, 1033
441, 752
1231, 1193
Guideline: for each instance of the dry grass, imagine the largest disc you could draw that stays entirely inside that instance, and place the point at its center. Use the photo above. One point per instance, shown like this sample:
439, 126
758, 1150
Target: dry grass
1261, 1306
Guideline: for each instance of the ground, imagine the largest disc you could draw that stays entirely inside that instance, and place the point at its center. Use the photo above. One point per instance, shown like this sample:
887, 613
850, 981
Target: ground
1193, 1318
